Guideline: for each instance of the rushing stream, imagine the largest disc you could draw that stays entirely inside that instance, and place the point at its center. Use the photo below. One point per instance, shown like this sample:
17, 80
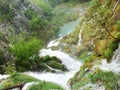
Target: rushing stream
73, 65
59, 78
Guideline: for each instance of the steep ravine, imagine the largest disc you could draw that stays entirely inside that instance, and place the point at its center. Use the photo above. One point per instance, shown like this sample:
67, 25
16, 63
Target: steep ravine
91, 52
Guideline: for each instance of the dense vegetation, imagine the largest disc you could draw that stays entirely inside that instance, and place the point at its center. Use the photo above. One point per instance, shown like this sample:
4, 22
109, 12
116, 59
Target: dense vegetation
100, 38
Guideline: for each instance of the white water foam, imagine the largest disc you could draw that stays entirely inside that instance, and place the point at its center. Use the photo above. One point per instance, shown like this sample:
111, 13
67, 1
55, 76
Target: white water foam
60, 78
80, 34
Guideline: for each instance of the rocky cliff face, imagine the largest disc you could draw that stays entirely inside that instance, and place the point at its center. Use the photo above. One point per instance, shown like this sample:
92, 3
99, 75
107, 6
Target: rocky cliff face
20, 17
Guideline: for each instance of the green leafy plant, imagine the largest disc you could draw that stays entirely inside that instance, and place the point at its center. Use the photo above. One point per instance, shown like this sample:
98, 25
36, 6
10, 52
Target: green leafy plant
109, 79
25, 52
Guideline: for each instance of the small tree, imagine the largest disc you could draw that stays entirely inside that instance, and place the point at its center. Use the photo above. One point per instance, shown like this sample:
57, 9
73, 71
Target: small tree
25, 53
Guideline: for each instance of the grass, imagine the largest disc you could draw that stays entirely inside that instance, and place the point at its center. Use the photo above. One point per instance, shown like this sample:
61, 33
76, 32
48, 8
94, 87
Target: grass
113, 45
17, 78
109, 79
45, 86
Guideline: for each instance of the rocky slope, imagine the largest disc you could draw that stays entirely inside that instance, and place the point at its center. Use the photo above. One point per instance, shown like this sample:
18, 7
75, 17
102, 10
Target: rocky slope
99, 30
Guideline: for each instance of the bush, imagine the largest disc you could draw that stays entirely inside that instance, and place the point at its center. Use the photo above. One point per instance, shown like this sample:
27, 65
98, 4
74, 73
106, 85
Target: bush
111, 48
25, 53
109, 79
108, 53
6, 13
118, 35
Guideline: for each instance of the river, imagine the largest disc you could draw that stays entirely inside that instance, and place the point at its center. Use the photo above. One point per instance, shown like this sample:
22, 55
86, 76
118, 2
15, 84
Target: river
67, 28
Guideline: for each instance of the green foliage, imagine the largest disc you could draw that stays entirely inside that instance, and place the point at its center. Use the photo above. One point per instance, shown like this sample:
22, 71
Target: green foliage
6, 13
108, 53
94, 2
77, 85
111, 47
45, 86
38, 23
2, 58
18, 78
109, 79
118, 24
84, 55
56, 65
29, 13
46, 8
118, 35
25, 52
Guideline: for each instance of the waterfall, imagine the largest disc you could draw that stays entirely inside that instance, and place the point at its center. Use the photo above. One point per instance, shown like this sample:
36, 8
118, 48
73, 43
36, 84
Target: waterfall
114, 65
80, 34
54, 42
60, 78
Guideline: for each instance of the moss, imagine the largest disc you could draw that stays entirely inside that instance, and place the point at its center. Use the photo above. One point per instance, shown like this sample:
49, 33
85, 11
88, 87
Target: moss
56, 65
45, 86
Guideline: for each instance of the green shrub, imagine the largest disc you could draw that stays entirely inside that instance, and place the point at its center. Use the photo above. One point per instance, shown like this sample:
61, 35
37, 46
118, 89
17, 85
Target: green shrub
109, 79
118, 35
111, 48
7, 13
118, 24
108, 53
113, 45
25, 52
84, 55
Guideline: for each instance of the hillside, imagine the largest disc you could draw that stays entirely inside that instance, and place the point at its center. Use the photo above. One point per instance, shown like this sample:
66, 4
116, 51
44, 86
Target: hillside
99, 30
85, 58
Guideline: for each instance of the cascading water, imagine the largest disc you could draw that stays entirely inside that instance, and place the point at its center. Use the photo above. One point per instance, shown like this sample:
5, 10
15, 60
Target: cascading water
60, 78
80, 34
114, 65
